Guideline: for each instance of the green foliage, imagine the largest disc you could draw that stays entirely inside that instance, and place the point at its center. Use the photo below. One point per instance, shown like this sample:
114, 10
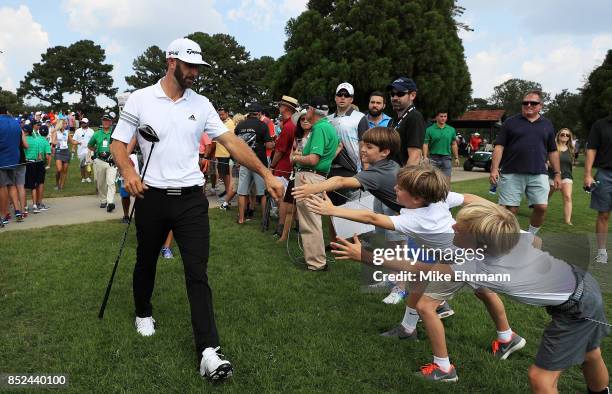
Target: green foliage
78, 69
370, 42
563, 111
597, 93
509, 94
12, 102
233, 80
149, 68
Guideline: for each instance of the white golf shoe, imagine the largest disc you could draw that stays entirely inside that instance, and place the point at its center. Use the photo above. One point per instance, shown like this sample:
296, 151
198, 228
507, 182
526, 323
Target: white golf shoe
213, 367
145, 326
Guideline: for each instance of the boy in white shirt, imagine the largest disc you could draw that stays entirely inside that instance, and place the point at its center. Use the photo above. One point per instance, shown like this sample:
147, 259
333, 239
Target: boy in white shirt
424, 191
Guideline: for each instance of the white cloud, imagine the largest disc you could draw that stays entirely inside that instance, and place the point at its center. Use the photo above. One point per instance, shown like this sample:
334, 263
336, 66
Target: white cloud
262, 14
22, 40
557, 63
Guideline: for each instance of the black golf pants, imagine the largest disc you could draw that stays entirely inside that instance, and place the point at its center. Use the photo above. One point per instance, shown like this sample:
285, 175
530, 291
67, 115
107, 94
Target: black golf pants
187, 216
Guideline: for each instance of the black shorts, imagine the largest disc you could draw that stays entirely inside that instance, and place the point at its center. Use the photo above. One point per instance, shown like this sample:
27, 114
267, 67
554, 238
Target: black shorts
223, 166
41, 172
31, 180
288, 198
340, 196
569, 336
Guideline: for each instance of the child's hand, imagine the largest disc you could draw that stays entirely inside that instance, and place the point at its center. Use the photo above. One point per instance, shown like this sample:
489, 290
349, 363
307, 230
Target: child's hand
345, 250
303, 191
318, 205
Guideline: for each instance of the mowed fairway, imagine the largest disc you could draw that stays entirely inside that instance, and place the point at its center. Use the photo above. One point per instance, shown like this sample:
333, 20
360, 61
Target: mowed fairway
283, 328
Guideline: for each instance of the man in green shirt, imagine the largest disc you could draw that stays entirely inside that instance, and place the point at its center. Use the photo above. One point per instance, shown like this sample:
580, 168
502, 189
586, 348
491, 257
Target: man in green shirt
313, 164
440, 141
105, 171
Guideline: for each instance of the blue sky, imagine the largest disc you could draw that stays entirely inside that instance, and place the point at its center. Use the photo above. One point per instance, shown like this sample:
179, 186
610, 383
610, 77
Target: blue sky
554, 42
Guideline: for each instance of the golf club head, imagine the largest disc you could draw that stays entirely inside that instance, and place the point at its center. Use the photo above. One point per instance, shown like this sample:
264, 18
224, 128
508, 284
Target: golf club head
148, 133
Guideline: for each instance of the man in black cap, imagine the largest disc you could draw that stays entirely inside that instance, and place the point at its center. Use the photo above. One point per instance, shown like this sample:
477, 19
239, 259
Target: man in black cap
256, 135
408, 121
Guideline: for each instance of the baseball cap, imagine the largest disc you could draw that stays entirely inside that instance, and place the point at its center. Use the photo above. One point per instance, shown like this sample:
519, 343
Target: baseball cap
84, 120
27, 128
186, 50
106, 117
44, 128
254, 108
318, 102
346, 86
403, 84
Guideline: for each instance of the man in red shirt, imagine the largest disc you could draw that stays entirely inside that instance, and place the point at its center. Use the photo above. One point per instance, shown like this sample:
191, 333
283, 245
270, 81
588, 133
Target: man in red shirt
282, 151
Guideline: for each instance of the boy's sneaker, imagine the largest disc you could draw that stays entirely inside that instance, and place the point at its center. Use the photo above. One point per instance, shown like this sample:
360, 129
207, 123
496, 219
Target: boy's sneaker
167, 253
434, 373
444, 310
5, 220
601, 258
83, 180
396, 296
110, 207
400, 332
43, 207
35, 209
213, 367
224, 207
502, 350
18, 216
125, 220
88, 180
145, 326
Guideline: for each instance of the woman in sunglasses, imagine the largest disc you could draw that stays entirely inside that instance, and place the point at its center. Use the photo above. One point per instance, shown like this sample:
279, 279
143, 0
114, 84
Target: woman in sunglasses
565, 147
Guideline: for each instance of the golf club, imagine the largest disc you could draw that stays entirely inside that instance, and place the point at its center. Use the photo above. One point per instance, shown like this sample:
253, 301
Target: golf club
149, 135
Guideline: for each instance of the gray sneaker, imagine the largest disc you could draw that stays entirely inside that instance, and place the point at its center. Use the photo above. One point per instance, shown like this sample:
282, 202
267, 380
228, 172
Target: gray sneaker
443, 310
502, 350
43, 207
433, 372
400, 332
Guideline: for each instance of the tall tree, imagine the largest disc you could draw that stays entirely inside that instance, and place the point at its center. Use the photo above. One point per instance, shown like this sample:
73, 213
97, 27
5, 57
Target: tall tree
78, 69
597, 93
370, 42
509, 95
47, 79
564, 111
148, 68
233, 80
87, 75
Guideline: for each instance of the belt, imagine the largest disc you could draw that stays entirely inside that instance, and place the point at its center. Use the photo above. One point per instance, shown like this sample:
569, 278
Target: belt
574, 298
313, 171
177, 191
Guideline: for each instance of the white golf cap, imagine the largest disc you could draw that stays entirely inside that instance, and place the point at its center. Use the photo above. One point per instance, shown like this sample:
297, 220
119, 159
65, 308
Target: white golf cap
346, 86
186, 50
84, 120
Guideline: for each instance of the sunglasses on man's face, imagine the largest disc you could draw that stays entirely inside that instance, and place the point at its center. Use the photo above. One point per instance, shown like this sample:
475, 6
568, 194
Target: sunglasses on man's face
342, 94
532, 103
398, 94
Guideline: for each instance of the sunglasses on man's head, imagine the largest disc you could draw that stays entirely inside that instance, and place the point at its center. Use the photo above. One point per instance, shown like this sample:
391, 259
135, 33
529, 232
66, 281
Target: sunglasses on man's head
398, 94
532, 103
342, 94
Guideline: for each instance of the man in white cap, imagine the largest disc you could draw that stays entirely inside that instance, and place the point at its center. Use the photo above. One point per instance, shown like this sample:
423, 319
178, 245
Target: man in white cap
172, 188
82, 136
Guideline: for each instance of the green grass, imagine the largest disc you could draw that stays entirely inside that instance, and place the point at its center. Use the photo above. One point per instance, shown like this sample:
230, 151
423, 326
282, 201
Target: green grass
73, 185
283, 328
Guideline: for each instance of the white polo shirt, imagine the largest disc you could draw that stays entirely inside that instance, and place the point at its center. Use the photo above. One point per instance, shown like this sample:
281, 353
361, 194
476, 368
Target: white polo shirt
179, 125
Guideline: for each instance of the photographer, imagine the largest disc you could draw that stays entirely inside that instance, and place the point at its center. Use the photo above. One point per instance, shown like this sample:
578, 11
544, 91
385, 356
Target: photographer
105, 171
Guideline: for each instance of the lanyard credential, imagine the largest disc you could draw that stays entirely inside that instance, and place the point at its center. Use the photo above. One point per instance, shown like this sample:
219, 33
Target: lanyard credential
399, 121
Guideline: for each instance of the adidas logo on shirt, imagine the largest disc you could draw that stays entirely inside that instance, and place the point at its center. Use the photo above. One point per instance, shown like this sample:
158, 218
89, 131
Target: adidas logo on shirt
192, 117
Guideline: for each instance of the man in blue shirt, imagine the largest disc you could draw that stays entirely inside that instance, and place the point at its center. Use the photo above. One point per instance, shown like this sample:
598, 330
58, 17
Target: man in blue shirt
376, 106
523, 145
10, 135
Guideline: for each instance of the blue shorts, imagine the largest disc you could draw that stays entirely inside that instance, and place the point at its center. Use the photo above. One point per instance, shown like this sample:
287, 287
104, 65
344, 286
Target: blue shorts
510, 188
122, 192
